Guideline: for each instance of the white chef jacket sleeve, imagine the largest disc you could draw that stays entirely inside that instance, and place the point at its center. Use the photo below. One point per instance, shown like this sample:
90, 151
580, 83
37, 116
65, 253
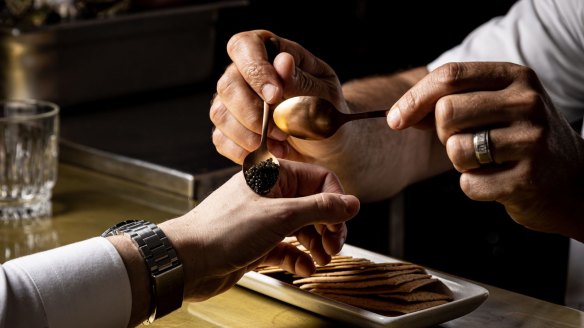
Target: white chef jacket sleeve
84, 284
546, 35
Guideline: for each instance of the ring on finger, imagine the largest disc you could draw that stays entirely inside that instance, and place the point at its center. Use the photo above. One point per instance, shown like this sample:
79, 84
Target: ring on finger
482, 147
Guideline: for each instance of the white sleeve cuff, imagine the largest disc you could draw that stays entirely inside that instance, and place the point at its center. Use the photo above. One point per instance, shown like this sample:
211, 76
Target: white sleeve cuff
81, 284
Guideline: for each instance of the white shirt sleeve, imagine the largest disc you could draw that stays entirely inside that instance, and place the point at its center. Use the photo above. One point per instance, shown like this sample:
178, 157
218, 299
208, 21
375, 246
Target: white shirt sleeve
546, 35
84, 284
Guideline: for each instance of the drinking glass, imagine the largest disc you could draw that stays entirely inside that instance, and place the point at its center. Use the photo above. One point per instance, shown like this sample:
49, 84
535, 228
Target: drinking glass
29, 131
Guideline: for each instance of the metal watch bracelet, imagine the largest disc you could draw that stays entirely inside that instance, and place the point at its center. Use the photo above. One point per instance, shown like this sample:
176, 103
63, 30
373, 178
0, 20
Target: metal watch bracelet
166, 271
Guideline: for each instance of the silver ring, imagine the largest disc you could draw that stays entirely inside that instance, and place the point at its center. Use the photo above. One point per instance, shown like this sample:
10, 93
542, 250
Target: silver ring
482, 147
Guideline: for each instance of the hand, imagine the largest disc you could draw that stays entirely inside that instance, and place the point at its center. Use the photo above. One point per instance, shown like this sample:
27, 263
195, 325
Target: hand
234, 230
538, 157
236, 108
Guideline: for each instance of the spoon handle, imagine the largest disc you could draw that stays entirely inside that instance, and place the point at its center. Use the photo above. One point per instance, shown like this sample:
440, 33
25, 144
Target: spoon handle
372, 114
265, 122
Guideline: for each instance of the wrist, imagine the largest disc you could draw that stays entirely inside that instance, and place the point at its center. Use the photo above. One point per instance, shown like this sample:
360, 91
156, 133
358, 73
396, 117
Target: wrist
164, 270
138, 276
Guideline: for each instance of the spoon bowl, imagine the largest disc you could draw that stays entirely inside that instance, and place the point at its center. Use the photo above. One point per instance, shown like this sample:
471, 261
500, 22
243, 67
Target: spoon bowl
261, 167
314, 118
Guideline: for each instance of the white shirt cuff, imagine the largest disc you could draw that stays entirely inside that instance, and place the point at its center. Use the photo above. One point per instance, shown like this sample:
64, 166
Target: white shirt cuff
81, 284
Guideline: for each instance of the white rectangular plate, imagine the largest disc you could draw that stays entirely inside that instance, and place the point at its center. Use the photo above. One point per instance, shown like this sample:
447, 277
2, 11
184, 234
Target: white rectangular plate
467, 297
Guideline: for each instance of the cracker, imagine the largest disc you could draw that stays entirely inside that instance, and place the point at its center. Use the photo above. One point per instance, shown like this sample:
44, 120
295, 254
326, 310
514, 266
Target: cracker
378, 267
353, 277
393, 281
407, 287
389, 288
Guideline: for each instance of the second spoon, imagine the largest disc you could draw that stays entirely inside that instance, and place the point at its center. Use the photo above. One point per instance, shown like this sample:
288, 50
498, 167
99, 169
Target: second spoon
314, 118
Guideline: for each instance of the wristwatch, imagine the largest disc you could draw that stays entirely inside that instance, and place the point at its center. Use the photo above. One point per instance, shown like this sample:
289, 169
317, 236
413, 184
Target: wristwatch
166, 271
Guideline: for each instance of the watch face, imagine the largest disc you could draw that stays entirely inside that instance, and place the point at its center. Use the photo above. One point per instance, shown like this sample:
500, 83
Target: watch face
118, 228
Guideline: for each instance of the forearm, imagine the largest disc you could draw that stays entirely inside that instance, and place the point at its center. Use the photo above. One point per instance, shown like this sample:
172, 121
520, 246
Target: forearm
380, 162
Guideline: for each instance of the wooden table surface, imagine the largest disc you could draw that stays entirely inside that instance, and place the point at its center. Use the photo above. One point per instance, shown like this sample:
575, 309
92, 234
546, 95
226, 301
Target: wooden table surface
87, 202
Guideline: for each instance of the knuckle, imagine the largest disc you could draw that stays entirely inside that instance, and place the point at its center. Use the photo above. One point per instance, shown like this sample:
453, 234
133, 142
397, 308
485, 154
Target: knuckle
444, 111
235, 42
218, 113
324, 203
526, 73
535, 140
252, 70
450, 73
467, 187
216, 137
304, 82
531, 98
456, 151
226, 148
254, 74
409, 101
473, 188
226, 81
532, 104
250, 141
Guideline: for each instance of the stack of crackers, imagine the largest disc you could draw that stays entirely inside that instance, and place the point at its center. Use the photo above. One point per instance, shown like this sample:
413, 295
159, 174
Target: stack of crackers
390, 289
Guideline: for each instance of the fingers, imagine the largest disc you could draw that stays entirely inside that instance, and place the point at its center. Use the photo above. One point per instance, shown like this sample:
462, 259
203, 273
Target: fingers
512, 116
499, 183
334, 239
301, 72
476, 110
314, 212
248, 52
312, 241
506, 145
291, 259
299, 82
302, 179
236, 112
234, 93
322, 242
448, 79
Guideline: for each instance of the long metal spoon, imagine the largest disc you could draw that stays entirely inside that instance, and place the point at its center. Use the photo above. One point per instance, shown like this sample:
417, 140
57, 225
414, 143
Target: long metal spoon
260, 167
314, 118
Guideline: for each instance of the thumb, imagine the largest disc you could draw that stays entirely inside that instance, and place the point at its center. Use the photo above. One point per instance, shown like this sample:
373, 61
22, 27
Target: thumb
296, 81
326, 208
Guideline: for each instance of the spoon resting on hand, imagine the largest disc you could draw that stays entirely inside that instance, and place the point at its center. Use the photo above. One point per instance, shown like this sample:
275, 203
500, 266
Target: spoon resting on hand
260, 167
314, 118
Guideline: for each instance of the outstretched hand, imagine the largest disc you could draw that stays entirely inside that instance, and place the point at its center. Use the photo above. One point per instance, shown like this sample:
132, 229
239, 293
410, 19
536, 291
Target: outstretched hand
537, 157
234, 230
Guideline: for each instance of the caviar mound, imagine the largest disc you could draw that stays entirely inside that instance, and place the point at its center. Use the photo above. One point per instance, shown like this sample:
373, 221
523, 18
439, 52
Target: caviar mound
262, 176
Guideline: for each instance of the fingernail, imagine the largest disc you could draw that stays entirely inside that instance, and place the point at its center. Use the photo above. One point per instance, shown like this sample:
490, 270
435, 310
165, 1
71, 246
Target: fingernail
269, 92
349, 203
342, 240
394, 118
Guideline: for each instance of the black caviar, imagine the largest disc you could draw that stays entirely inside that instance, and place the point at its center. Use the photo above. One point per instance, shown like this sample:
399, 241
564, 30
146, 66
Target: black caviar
262, 176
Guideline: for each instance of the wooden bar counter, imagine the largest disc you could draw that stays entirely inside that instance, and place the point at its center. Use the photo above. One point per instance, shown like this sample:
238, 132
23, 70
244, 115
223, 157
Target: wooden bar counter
86, 202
